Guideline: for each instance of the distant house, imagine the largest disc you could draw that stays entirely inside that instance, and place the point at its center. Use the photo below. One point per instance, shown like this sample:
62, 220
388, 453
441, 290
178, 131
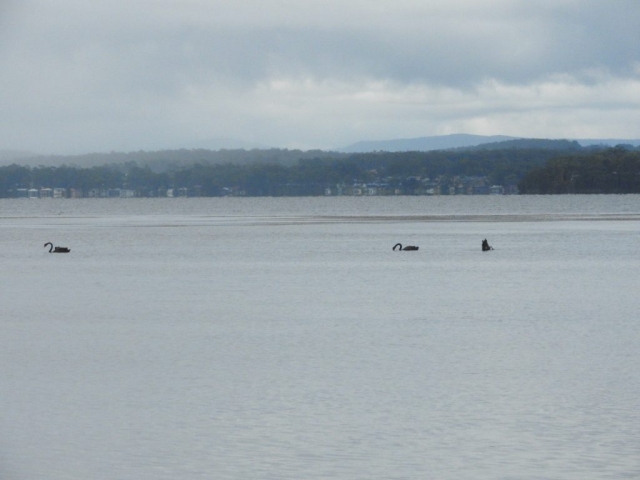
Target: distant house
96, 193
124, 193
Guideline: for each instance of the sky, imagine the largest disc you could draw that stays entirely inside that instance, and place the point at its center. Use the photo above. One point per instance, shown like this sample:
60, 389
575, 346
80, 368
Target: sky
84, 76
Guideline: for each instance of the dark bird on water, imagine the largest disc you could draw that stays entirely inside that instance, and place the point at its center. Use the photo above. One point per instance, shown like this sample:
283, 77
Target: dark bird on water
408, 247
485, 246
53, 249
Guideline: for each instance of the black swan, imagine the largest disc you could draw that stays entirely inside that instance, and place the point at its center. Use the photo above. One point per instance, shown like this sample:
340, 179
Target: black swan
485, 246
408, 247
57, 249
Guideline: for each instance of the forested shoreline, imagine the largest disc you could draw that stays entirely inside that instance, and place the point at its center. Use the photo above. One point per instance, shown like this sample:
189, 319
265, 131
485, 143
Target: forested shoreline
615, 170
288, 173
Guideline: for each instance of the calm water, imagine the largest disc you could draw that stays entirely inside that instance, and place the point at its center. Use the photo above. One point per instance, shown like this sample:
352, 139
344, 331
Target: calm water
284, 339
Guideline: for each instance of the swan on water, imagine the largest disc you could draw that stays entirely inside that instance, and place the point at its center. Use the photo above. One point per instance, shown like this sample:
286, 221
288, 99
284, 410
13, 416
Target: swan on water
53, 249
408, 247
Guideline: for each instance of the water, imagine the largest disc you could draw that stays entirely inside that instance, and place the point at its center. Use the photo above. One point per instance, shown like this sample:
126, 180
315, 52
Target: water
283, 338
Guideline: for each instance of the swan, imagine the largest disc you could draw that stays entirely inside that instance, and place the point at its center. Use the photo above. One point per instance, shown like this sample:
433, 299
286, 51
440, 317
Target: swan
57, 249
485, 246
408, 247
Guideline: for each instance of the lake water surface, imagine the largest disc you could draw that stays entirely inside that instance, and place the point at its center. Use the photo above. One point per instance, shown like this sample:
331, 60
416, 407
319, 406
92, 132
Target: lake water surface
284, 339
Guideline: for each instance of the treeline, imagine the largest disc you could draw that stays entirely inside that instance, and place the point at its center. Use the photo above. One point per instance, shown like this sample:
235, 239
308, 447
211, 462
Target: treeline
534, 170
167, 160
614, 170
501, 167
308, 176
529, 144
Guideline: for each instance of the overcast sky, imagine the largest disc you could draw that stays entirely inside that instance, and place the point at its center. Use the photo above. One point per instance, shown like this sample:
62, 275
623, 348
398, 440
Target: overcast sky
83, 76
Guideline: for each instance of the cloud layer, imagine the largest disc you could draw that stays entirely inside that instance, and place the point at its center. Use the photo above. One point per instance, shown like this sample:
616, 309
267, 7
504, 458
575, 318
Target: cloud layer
97, 76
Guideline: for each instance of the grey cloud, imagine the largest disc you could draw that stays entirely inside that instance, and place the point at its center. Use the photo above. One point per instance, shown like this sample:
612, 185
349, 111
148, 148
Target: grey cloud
92, 67
524, 44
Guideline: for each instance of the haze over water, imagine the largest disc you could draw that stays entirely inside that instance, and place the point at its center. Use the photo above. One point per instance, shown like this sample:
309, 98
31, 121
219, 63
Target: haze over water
283, 338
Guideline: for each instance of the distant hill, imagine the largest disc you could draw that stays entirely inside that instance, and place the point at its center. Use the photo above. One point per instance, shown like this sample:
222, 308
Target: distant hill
165, 160
608, 142
463, 140
529, 144
424, 144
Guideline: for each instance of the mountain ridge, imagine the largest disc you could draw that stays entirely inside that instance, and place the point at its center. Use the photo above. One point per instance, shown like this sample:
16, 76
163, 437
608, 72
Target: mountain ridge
459, 140
174, 157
